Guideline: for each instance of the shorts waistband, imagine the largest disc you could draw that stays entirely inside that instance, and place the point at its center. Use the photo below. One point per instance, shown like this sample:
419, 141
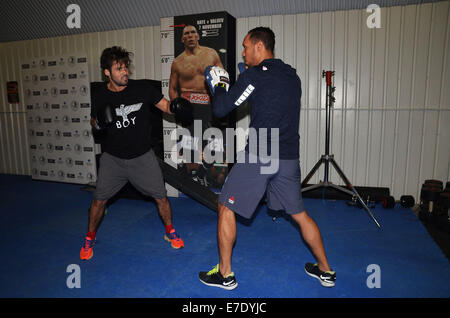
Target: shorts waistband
197, 98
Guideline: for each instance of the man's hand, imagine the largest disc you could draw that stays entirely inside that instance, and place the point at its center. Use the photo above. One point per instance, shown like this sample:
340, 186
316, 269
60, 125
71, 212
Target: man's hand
216, 76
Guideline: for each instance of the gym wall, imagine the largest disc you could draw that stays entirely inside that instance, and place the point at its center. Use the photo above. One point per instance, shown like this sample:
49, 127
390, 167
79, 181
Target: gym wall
390, 124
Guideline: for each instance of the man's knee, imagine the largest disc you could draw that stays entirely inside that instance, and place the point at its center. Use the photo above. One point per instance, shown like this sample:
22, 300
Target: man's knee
99, 203
300, 216
224, 211
301, 213
162, 201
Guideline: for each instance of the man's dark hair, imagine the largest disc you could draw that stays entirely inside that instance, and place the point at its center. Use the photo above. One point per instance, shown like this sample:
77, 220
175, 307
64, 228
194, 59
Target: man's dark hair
190, 25
114, 54
265, 35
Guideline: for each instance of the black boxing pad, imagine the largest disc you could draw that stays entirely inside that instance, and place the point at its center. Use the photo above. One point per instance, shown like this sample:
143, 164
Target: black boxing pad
184, 183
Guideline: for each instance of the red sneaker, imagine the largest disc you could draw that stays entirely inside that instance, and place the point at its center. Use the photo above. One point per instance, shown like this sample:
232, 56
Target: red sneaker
174, 239
87, 250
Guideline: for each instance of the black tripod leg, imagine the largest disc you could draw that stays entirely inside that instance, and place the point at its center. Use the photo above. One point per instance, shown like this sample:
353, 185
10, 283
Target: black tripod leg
311, 173
350, 186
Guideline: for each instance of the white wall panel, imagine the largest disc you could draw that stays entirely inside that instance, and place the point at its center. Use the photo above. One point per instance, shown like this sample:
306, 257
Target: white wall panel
391, 119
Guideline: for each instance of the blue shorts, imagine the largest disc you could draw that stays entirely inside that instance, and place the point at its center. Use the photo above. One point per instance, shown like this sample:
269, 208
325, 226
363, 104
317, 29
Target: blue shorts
246, 185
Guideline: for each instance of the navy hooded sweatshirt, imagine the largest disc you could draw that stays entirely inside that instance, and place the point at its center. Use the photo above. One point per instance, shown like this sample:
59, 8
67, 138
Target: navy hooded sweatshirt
273, 90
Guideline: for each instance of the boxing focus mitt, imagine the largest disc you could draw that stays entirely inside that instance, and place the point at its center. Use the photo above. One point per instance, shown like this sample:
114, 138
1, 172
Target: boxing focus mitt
216, 76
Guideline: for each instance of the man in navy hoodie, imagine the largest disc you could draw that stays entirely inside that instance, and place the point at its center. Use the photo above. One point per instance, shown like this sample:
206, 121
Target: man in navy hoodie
273, 90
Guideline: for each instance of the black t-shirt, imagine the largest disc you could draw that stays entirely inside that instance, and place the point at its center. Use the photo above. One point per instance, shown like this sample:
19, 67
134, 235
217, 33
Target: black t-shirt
130, 134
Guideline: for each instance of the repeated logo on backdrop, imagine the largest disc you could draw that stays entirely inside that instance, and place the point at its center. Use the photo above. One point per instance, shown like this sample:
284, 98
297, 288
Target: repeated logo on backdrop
57, 98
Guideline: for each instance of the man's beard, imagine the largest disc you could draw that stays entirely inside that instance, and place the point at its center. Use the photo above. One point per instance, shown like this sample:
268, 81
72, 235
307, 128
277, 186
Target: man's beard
122, 82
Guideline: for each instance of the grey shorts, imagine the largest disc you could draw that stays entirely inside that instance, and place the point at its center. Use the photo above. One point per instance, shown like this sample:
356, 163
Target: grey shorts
245, 186
143, 172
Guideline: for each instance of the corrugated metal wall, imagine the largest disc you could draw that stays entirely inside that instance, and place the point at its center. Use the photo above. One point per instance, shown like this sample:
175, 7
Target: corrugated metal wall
391, 119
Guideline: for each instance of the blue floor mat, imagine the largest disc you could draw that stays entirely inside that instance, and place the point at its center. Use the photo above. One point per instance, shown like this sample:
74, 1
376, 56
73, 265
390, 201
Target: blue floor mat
43, 224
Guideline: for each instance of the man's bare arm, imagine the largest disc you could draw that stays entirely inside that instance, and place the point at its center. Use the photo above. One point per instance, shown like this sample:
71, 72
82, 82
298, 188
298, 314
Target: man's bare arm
217, 61
164, 105
173, 82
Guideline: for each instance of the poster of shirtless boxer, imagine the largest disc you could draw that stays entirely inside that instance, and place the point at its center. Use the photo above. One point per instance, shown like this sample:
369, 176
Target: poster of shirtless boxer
201, 40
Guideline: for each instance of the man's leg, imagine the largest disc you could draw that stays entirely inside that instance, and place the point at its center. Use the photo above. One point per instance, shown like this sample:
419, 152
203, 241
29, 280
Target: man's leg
110, 179
240, 194
165, 212
95, 216
311, 234
221, 275
226, 236
96, 212
145, 175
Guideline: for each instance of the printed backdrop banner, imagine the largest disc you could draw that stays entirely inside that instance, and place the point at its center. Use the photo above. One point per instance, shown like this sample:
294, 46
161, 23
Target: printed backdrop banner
182, 71
57, 98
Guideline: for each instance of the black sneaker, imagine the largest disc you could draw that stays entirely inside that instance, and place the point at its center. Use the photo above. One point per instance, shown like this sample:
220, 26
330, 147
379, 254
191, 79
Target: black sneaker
327, 279
214, 278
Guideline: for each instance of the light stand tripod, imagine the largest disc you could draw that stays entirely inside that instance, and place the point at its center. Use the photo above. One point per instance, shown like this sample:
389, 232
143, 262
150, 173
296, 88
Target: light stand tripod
327, 158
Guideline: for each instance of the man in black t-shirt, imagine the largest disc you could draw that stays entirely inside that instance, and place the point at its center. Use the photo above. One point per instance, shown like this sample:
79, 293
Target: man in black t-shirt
121, 109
